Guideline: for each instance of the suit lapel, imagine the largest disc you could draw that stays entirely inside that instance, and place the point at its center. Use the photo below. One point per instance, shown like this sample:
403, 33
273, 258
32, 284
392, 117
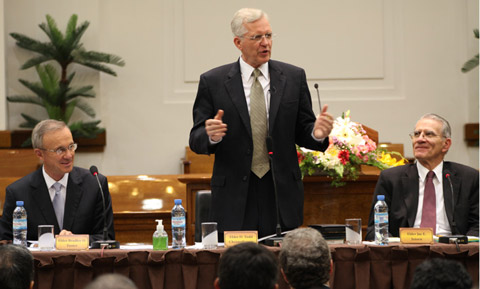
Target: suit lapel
74, 195
234, 87
277, 85
42, 199
410, 183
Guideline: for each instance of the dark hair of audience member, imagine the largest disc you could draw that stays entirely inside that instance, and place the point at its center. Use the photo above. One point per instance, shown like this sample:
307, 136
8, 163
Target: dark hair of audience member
16, 267
441, 274
248, 266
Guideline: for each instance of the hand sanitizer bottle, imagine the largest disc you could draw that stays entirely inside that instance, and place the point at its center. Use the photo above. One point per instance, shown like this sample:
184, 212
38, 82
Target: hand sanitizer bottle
160, 237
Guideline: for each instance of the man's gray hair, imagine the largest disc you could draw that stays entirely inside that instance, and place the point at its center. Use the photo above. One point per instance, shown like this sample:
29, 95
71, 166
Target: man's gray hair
111, 281
245, 15
42, 128
305, 258
446, 130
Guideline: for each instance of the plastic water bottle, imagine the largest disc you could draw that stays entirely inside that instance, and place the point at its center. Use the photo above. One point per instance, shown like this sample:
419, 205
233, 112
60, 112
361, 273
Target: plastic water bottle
178, 225
20, 225
381, 221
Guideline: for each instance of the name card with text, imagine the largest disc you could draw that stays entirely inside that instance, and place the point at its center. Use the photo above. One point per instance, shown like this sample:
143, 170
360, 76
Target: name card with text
232, 238
416, 235
72, 242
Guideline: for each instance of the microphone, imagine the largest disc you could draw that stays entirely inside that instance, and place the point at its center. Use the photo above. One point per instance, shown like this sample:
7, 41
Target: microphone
105, 243
318, 96
453, 239
277, 239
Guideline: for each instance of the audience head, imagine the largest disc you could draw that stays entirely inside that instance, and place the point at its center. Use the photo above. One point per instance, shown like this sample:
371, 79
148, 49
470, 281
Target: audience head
16, 267
111, 281
431, 140
53, 144
441, 274
247, 266
305, 259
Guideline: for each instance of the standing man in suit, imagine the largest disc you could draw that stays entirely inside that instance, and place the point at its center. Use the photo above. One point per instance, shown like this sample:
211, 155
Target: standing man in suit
431, 192
58, 193
237, 106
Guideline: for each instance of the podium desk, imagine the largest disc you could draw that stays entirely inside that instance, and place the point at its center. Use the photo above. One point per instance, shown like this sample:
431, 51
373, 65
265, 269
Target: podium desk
360, 266
323, 204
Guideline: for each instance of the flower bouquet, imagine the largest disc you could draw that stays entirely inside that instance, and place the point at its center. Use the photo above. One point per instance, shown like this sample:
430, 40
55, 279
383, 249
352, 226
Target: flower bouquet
350, 147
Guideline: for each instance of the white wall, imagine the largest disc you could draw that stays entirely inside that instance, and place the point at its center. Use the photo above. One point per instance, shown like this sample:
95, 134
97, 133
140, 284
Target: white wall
387, 61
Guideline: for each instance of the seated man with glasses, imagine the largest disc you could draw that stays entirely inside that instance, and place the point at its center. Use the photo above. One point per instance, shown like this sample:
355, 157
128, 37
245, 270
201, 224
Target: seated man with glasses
430, 193
58, 193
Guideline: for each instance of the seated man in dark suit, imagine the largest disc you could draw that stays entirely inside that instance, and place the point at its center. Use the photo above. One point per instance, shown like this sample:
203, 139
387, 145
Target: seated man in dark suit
16, 267
58, 193
431, 192
247, 266
305, 259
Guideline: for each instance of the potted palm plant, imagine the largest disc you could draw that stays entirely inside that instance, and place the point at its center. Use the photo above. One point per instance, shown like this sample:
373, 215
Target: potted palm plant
54, 91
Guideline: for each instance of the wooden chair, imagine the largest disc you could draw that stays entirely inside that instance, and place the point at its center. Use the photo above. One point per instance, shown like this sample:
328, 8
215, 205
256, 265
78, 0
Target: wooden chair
18, 162
197, 164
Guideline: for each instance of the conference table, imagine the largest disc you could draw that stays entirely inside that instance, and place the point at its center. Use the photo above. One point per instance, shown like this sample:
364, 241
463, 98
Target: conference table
359, 266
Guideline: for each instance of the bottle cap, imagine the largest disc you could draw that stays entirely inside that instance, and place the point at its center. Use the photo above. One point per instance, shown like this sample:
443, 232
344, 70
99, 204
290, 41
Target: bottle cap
159, 225
178, 201
381, 197
19, 203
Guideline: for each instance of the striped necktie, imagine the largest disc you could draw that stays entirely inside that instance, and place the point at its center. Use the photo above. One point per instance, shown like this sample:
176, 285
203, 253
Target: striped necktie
258, 122
58, 204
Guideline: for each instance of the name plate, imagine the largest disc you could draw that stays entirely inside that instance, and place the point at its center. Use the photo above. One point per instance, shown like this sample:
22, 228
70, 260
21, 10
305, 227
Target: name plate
72, 242
232, 238
416, 235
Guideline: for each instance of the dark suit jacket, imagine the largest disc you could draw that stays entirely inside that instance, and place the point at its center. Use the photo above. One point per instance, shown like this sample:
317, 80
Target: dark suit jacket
83, 205
291, 122
400, 187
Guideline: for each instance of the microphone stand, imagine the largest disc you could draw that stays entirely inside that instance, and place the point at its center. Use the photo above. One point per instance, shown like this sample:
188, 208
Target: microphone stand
105, 243
278, 238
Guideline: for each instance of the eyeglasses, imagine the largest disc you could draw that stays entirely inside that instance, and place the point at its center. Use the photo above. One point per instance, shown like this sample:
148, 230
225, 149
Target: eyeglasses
62, 150
259, 37
426, 134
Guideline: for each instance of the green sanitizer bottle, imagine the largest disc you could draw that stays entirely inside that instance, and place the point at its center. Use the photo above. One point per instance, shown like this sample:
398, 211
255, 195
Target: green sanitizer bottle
160, 237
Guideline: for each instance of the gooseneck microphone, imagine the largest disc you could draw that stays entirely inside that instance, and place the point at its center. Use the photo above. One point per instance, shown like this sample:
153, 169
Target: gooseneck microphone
454, 226
453, 239
105, 243
318, 96
277, 239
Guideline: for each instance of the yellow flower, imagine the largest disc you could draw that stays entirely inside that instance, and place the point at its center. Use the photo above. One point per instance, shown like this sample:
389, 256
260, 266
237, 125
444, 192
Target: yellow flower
388, 160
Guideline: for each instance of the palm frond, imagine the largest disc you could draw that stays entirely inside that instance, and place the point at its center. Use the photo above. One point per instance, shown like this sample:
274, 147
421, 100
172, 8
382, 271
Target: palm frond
35, 87
69, 110
85, 129
98, 66
85, 107
36, 61
470, 64
25, 99
50, 28
30, 122
85, 91
94, 56
28, 43
48, 77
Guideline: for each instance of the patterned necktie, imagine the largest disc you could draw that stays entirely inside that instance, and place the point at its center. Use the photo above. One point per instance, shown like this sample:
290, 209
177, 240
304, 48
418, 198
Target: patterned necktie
258, 122
58, 204
429, 211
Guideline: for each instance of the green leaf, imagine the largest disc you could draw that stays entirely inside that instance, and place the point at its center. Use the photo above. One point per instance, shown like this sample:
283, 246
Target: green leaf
470, 64
35, 61
25, 99
30, 121
35, 87
86, 108
85, 91
69, 110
